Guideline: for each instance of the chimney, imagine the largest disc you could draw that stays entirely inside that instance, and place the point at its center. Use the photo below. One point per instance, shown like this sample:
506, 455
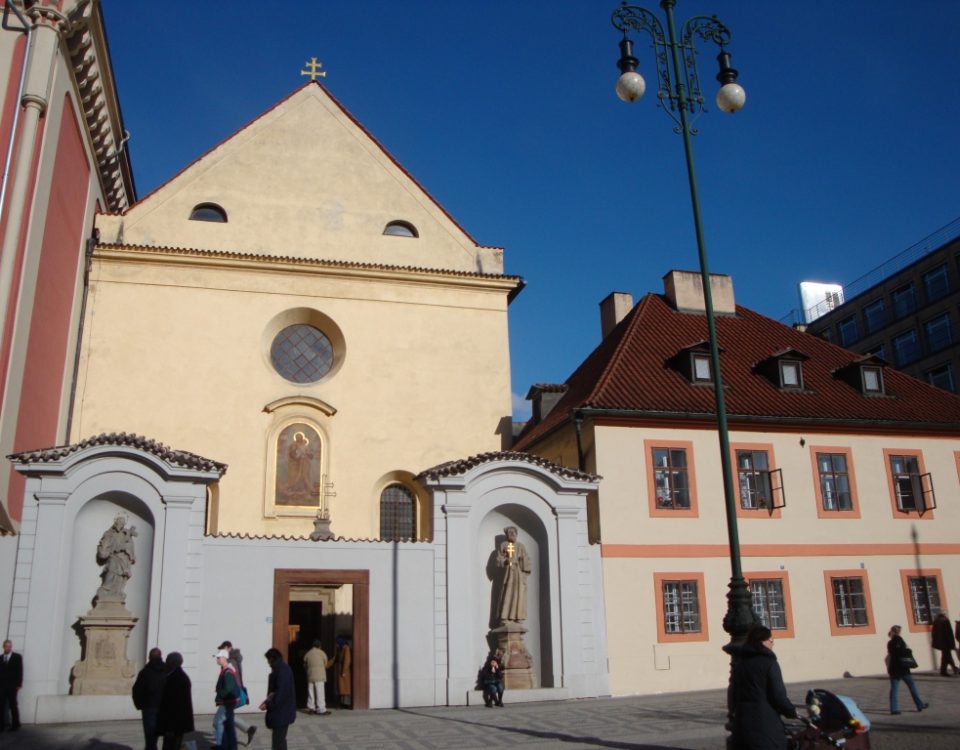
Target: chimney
544, 396
613, 309
684, 290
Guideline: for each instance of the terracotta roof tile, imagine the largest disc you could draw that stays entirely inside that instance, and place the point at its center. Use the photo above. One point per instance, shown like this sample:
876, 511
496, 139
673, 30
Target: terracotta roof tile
630, 371
128, 439
462, 466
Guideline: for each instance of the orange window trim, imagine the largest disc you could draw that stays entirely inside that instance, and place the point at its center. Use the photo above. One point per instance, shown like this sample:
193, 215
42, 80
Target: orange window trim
871, 627
771, 464
854, 512
912, 515
655, 512
779, 550
784, 578
905, 576
662, 635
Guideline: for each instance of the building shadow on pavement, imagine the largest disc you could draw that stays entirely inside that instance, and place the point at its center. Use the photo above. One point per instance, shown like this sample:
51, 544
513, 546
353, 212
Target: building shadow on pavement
556, 736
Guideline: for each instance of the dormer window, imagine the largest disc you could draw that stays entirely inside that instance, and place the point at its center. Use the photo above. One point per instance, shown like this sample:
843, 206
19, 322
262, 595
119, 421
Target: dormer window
208, 212
784, 369
791, 374
400, 229
694, 363
700, 367
865, 374
872, 380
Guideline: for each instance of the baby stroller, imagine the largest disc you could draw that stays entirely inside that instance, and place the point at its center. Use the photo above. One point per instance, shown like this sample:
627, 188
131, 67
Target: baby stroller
832, 721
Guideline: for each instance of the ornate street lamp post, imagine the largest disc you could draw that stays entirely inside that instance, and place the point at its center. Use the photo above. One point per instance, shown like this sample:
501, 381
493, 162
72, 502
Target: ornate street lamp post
681, 98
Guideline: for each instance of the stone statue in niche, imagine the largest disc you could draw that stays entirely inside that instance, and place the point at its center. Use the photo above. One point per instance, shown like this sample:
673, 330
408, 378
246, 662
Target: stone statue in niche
298, 466
104, 668
508, 638
116, 553
512, 556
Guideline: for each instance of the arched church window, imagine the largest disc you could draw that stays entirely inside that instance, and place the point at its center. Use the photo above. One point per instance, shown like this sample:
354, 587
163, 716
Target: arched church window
398, 513
401, 229
208, 212
298, 465
301, 353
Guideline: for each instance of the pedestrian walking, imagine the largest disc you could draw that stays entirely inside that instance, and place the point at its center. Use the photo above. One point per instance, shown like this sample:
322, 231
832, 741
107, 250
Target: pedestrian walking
945, 643
147, 692
11, 680
175, 717
316, 663
758, 696
241, 726
899, 663
227, 697
281, 701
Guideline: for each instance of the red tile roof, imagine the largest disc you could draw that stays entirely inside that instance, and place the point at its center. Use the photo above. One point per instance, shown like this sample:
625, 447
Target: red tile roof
631, 372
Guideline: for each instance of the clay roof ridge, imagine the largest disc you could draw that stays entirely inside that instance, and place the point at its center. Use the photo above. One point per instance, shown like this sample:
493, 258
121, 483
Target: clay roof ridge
127, 439
629, 325
245, 535
463, 465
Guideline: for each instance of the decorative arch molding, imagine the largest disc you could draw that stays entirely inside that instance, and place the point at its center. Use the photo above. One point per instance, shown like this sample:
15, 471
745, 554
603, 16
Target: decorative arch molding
71, 494
473, 500
300, 402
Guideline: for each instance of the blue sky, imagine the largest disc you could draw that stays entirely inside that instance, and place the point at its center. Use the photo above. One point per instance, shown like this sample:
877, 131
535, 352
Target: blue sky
846, 153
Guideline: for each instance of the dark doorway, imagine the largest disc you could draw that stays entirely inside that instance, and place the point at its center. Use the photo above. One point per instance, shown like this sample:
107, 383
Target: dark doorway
304, 629
303, 611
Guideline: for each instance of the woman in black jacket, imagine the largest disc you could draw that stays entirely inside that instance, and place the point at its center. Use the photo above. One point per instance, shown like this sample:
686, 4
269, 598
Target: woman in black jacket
898, 657
757, 695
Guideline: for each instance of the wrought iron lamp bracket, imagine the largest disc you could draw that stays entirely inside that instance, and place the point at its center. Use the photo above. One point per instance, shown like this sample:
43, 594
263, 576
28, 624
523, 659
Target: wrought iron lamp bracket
633, 17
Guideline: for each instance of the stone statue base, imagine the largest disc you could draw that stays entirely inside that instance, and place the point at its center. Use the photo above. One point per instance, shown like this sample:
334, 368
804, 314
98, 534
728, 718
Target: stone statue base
518, 671
321, 527
105, 668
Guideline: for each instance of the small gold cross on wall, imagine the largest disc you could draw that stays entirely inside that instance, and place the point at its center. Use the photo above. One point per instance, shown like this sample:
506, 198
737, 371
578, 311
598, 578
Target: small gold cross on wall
314, 70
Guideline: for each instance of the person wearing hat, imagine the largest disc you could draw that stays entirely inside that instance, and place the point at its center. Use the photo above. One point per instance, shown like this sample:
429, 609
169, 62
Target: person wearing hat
227, 697
236, 660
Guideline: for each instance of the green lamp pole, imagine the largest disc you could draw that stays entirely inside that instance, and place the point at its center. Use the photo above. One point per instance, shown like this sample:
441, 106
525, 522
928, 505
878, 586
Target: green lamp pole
681, 98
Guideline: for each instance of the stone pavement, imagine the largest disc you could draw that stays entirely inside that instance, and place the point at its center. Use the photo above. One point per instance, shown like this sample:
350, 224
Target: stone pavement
681, 720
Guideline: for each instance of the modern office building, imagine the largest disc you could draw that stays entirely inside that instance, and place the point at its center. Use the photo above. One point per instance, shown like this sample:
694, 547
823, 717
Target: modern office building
906, 311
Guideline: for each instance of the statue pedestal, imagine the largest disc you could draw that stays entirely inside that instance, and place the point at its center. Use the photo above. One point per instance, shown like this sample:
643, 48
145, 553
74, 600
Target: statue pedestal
518, 671
104, 668
321, 527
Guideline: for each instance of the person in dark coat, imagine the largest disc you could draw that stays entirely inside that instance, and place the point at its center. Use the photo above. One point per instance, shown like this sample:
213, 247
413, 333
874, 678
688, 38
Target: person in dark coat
944, 642
897, 652
491, 677
757, 694
11, 680
281, 701
147, 691
175, 718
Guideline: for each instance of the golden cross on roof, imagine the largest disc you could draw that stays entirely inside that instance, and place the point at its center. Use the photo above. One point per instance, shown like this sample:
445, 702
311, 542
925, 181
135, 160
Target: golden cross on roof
314, 70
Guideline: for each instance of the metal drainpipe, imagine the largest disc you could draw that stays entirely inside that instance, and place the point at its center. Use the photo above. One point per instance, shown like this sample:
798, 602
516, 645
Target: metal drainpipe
16, 112
39, 67
578, 424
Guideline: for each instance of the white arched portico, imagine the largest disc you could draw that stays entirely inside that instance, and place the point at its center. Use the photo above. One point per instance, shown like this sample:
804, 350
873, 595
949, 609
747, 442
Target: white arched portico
72, 495
474, 499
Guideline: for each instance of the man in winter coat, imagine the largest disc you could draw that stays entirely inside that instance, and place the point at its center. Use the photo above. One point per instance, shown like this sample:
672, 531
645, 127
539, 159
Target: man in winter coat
944, 642
281, 701
147, 691
757, 694
175, 718
316, 664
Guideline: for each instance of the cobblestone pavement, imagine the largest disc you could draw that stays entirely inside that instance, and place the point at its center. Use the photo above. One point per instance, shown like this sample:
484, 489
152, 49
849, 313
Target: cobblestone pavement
681, 720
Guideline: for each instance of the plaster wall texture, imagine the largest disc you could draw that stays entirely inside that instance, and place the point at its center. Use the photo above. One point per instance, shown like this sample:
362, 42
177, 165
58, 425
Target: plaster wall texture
182, 355
401, 595
800, 545
324, 189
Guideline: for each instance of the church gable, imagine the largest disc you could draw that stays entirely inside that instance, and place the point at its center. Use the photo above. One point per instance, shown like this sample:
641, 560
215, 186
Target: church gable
304, 180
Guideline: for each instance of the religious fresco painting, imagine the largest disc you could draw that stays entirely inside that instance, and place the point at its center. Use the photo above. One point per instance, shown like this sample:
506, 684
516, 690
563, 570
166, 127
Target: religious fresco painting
298, 466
